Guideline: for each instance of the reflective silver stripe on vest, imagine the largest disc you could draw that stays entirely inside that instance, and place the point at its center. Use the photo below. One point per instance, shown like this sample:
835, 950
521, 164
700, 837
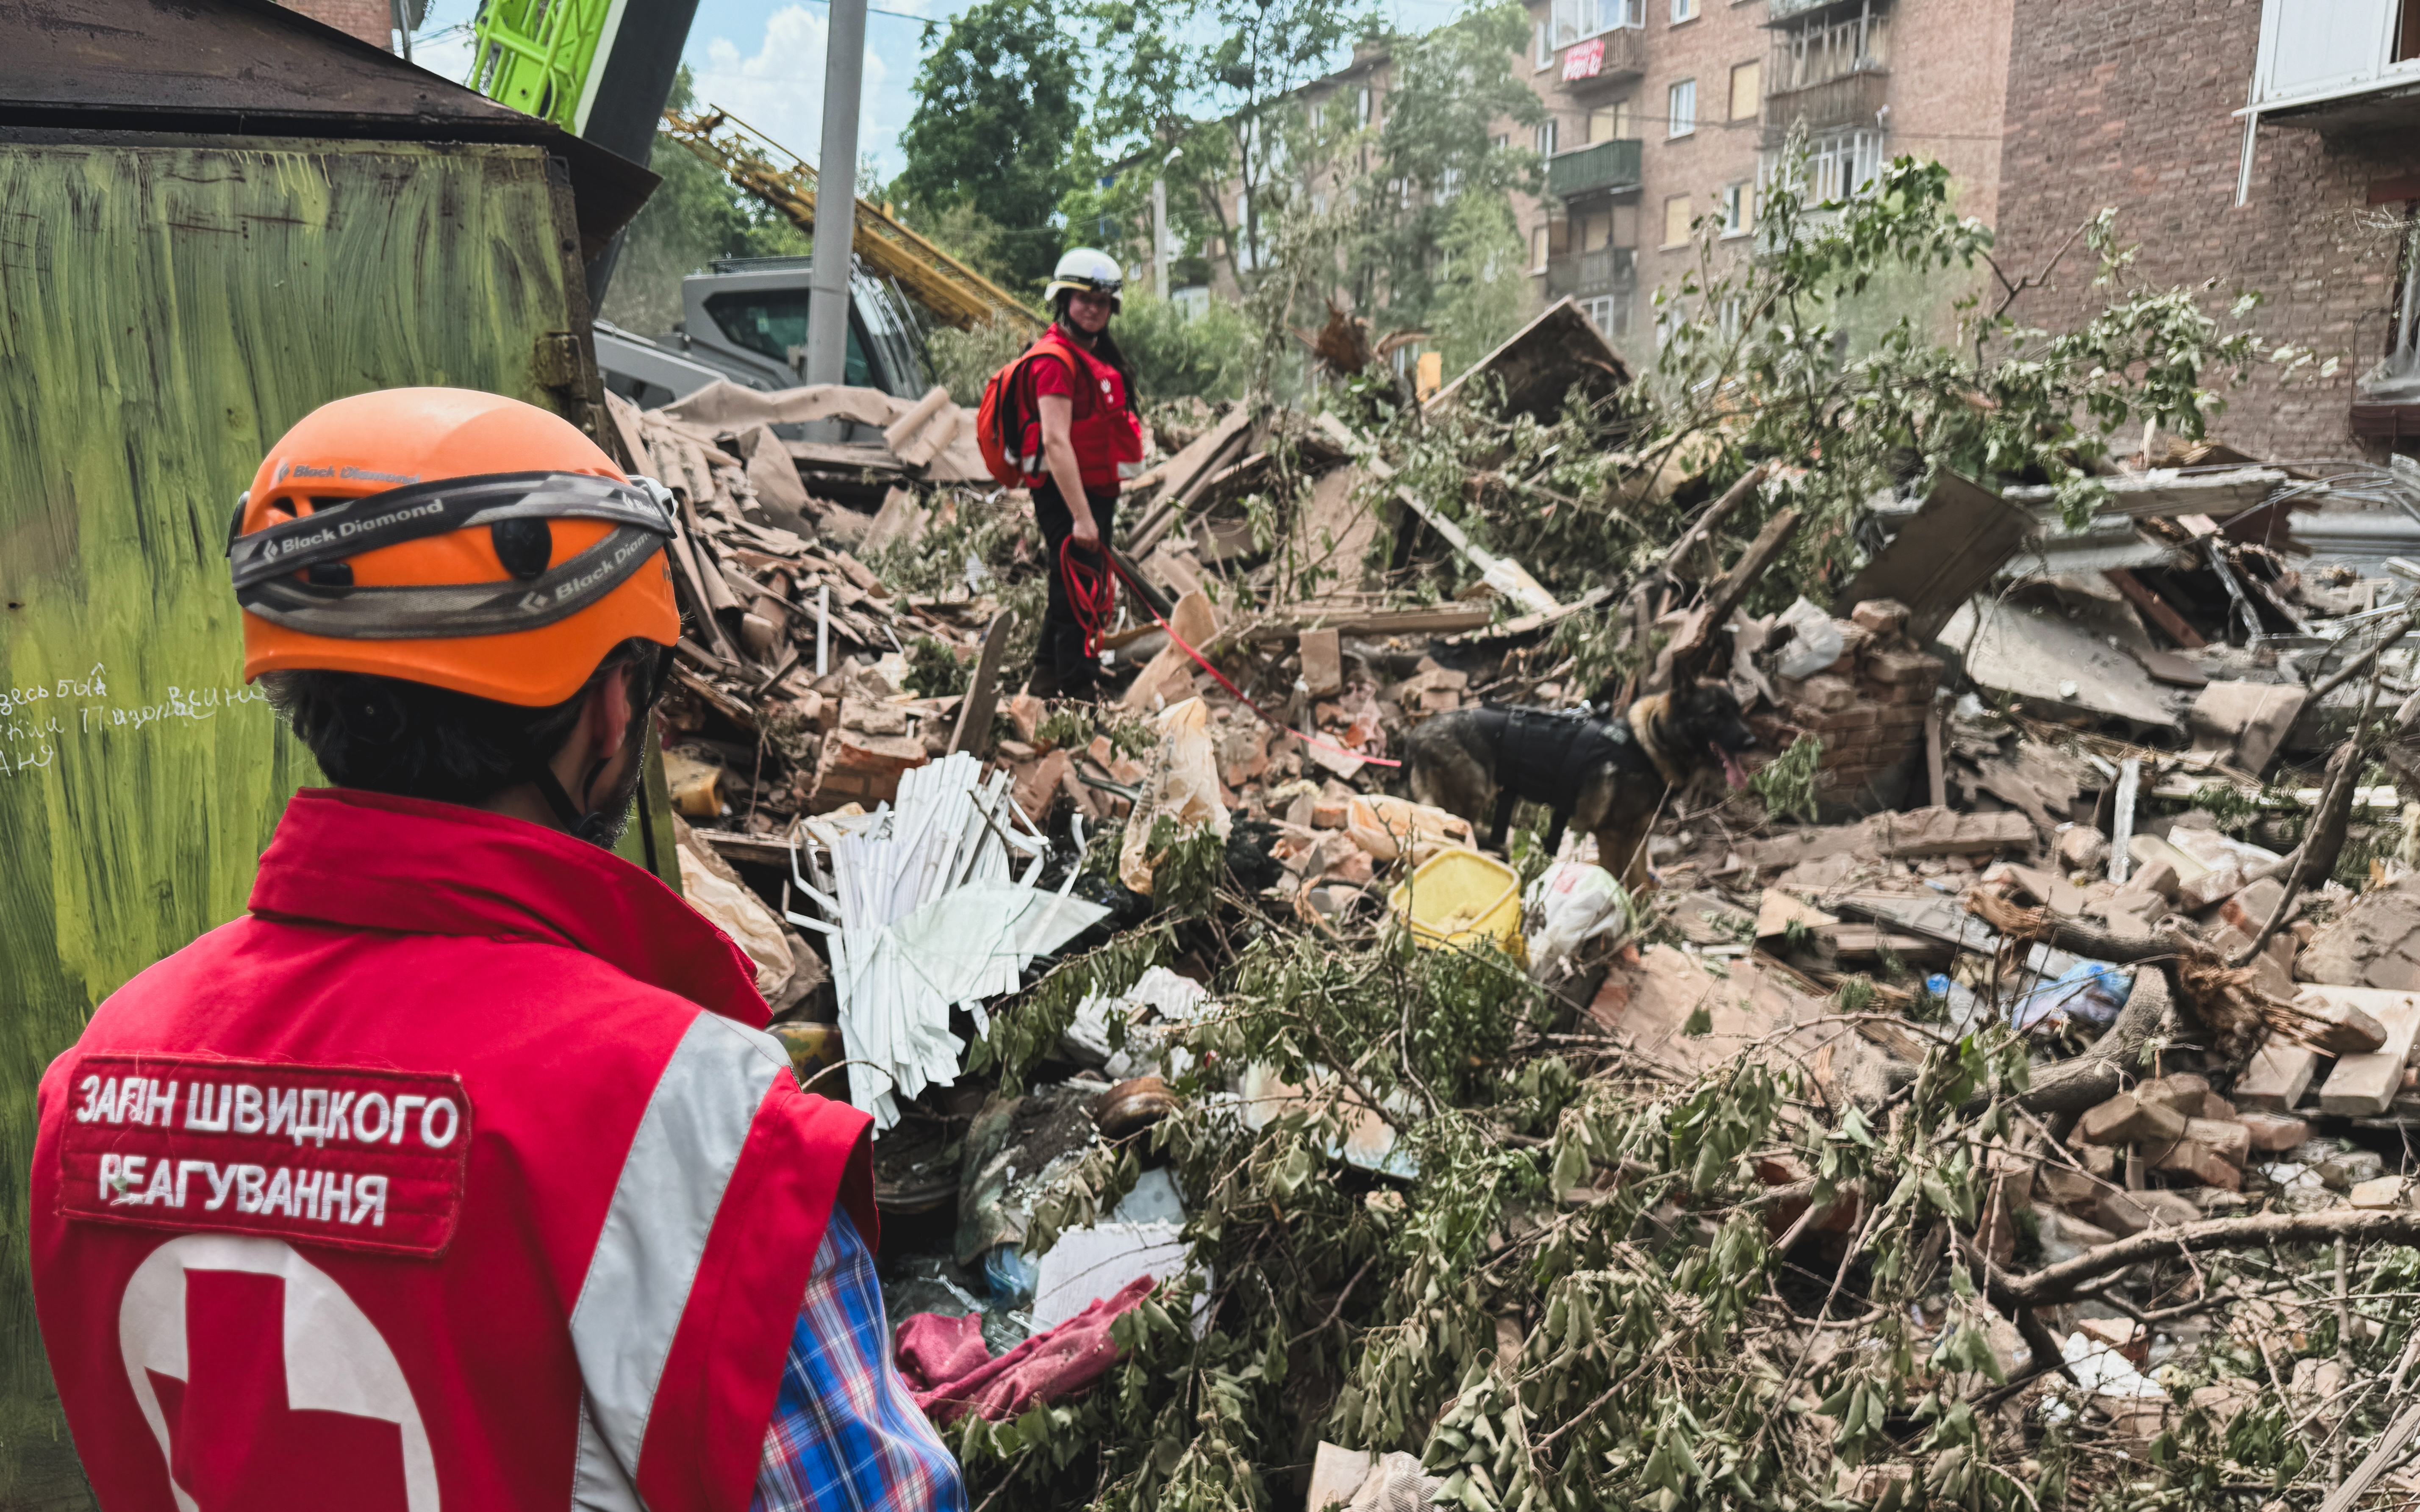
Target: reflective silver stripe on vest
653, 1239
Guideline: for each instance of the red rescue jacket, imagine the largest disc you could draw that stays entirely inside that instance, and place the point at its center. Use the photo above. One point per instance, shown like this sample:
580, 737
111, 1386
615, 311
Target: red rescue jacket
1105, 430
458, 1173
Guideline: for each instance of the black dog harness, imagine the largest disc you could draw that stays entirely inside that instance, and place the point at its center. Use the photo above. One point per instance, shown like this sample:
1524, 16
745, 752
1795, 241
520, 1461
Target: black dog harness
1544, 757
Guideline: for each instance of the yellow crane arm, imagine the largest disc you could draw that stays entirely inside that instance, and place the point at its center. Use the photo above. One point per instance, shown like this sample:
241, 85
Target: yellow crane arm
948, 288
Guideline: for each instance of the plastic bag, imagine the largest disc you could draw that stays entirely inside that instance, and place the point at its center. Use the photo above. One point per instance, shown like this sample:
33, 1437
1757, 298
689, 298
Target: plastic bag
2093, 989
1571, 903
1389, 828
1814, 643
1182, 786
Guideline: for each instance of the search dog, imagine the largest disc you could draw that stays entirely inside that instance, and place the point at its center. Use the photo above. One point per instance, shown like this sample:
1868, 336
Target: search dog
1609, 777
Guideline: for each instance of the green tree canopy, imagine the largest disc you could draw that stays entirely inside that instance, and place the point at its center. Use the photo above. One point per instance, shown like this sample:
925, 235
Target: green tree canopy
997, 112
1438, 145
694, 216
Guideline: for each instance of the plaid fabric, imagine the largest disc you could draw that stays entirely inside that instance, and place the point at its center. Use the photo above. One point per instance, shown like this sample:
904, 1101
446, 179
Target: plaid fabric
845, 1435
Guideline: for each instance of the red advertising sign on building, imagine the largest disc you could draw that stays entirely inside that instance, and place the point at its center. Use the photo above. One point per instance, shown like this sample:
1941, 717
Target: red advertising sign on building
1584, 60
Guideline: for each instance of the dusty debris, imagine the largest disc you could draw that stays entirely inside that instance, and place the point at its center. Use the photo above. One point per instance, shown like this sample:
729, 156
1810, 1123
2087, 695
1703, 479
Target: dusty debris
2073, 830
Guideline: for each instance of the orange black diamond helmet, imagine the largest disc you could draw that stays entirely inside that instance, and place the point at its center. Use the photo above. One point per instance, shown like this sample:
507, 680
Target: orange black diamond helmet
451, 538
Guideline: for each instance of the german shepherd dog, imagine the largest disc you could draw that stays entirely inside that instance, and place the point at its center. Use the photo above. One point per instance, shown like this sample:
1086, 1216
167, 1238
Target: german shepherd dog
1609, 777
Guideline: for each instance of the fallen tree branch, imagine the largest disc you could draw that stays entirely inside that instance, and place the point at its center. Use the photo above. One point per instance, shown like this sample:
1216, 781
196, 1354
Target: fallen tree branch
1704, 525
2076, 938
2064, 1281
2321, 843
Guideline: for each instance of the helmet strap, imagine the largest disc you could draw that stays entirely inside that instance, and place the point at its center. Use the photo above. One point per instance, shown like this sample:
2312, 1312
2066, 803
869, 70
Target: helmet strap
592, 825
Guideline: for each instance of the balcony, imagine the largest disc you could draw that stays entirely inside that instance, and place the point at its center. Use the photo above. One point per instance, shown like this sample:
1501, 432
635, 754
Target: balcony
1600, 167
1587, 274
2349, 65
1852, 98
1608, 57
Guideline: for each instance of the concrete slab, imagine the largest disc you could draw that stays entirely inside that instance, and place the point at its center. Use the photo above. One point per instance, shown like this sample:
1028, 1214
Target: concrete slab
2056, 668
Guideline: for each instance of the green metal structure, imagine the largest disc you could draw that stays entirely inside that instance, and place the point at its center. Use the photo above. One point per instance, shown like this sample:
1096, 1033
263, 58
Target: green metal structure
540, 56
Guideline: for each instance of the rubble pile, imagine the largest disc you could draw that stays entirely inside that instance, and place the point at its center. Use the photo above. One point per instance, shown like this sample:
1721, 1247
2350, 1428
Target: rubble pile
2011, 1082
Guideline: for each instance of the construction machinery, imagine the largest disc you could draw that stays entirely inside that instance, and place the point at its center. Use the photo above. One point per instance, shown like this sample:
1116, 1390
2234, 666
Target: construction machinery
603, 69
744, 319
954, 293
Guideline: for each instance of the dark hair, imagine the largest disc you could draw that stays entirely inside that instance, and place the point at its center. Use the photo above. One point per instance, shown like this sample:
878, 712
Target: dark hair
415, 740
1103, 345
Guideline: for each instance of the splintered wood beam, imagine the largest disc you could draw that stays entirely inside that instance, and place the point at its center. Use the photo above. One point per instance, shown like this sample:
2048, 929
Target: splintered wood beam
1676, 562
2151, 603
1696, 641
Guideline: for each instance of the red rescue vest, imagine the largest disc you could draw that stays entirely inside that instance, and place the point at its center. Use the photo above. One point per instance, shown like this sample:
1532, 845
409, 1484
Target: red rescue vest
458, 1173
1104, 430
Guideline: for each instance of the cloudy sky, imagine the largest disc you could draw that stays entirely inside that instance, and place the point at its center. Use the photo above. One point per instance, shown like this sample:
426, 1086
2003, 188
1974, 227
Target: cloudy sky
762, 60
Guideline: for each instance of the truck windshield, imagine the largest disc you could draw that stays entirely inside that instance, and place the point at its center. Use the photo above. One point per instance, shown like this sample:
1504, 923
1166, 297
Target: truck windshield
774, 322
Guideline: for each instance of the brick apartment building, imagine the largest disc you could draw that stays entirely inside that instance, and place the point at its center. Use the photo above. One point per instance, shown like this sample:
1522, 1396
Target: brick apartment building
372, 21
1669, 110
1664, 111
2140, 105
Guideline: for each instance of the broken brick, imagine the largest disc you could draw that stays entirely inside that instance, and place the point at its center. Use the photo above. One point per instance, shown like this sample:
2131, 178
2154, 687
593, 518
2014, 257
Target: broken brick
2125, 1119
2273, 1132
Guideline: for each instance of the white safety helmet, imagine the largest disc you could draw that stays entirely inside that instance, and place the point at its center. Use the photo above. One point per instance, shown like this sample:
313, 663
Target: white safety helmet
1087, 269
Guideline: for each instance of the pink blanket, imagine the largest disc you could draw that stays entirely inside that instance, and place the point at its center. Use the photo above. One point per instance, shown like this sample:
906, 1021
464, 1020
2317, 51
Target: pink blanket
952, 1372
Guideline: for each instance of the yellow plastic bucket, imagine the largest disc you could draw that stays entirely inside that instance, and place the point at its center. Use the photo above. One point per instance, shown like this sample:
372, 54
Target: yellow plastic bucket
1458, 898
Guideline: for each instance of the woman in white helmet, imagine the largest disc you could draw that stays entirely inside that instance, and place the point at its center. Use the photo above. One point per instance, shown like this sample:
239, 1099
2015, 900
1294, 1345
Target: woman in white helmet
1091, 441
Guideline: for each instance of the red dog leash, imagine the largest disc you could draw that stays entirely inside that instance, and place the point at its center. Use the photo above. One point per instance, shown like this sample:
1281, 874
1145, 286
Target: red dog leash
1093, 596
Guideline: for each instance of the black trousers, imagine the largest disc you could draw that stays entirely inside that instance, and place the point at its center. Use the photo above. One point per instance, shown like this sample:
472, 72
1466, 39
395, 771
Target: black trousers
1061, 667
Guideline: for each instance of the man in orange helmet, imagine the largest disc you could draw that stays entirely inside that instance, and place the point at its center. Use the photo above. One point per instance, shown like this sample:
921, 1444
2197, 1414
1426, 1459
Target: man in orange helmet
459, 1172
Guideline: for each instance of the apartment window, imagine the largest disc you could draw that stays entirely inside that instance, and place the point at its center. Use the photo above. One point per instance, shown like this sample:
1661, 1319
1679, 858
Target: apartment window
1683, 10
1541, 242
1545, 137
1449, 185
1594, 230
1363, 105
1577, 19
1681, 109
1608, 313
1543, 40
1675, 221
1609, 123
1500, 141
1845, 165
1748, 91
1739, 208
1625, 225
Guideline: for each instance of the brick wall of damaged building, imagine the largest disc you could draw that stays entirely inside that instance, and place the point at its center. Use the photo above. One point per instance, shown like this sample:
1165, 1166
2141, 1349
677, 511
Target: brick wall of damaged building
372, 21
2134, 105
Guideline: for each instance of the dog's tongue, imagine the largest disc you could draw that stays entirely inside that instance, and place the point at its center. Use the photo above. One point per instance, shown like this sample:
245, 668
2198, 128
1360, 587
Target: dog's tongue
1731, 768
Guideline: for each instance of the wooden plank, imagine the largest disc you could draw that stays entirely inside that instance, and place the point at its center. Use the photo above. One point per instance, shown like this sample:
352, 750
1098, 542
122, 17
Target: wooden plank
1503, 574
1696, 641
982, 697
1701, 528
1436, 621
1936, 783
2141, 596
1946, 551
1521, 625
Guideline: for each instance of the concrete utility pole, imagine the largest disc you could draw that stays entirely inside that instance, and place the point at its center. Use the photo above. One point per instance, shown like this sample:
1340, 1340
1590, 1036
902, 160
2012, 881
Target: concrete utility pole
1159, 236
826, 359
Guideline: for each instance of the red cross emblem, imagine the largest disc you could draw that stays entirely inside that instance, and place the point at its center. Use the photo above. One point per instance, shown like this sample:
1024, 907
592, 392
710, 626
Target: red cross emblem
266, 1386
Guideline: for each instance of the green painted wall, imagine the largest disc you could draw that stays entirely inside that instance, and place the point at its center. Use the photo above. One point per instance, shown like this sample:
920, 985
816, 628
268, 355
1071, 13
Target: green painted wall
165, 314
